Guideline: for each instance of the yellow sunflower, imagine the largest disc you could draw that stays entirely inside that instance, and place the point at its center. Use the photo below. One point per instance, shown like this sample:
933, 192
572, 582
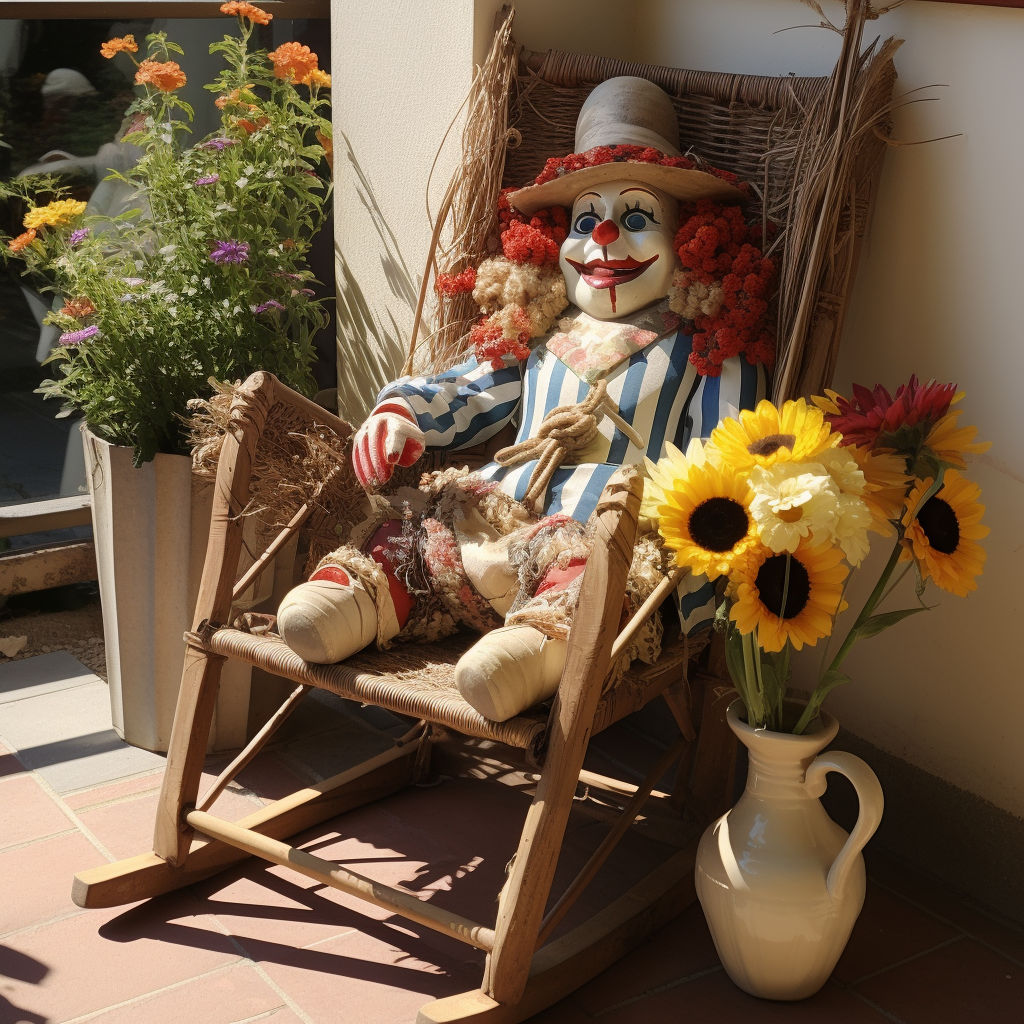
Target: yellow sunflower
950, 442
702, 509
813, 598
943, 538
885, 485
767, 435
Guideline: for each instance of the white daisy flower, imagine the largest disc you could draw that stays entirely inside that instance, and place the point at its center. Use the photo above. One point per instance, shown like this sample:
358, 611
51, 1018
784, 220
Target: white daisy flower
850, 529
791, 503
843, 469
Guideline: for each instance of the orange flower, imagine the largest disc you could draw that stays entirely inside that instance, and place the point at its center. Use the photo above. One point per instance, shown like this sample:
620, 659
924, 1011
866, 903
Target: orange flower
244, 10
234, 98
166, 77
293, 61
250, 127
320, 78
24, 239
78, 308
119, 44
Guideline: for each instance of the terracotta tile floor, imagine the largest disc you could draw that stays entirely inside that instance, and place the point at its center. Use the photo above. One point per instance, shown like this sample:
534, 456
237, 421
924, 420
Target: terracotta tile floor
259, 944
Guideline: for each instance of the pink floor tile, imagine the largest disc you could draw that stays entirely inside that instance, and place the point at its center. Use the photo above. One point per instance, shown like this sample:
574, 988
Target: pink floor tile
272, 904
114, 791
916, 888
561, 1013
680, 949
233, 994
27, 812
103, 957
714, 999
270, 779
37, 879
888, 931
126, 827
358, 979
9, 764
963, 982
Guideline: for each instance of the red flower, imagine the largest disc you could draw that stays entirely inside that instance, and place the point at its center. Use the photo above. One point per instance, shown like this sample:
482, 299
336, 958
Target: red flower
491, 344
713, 248
455, 284
523, 243
878, 420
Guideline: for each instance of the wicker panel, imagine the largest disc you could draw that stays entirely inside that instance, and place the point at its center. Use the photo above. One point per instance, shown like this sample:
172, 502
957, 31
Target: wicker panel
409, 680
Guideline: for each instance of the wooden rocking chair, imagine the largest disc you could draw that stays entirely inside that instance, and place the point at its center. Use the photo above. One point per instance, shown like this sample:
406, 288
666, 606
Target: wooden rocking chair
525, 972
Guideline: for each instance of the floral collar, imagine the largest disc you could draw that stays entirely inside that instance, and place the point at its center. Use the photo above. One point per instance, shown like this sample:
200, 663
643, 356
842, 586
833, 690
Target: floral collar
593, 348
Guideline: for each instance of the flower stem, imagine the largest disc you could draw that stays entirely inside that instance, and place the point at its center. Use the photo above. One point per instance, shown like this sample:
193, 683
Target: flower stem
851, 638
757, 710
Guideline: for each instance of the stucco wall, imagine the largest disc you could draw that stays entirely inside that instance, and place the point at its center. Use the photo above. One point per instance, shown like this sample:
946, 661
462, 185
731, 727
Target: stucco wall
937, 292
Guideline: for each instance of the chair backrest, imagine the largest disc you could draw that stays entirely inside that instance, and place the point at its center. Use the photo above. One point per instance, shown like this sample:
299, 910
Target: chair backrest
810, 147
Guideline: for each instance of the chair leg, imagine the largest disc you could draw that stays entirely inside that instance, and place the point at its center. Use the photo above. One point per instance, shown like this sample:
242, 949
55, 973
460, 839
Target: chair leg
193, 716
522, 901
714, 772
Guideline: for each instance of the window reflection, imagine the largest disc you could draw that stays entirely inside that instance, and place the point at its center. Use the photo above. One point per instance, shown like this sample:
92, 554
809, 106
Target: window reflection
61, 110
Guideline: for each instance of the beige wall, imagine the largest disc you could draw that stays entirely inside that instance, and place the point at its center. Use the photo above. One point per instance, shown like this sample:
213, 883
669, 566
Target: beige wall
938, 292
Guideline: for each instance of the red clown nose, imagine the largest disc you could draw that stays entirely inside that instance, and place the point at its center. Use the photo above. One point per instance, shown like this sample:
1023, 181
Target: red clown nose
605, 233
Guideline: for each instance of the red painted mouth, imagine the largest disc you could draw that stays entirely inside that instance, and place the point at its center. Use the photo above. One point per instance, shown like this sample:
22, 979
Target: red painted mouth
610, 273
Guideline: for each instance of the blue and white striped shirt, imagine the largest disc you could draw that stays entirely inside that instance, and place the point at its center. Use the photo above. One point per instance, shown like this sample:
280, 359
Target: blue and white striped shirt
657, 391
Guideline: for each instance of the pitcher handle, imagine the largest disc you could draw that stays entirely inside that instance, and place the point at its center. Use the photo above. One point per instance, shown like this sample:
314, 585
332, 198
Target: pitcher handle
869, 795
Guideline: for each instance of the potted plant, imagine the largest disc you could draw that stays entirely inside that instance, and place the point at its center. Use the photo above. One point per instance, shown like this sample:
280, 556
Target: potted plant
205, 278
778, 504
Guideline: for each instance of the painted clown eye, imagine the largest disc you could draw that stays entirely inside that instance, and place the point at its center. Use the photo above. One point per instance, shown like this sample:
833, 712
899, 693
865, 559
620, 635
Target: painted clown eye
637, 219
586, 222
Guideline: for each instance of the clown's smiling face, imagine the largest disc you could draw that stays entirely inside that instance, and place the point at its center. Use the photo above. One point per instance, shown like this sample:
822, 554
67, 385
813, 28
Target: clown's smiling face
618, 256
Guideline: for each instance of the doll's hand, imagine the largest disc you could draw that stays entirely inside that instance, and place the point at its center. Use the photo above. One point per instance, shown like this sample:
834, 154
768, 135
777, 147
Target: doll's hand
389, 437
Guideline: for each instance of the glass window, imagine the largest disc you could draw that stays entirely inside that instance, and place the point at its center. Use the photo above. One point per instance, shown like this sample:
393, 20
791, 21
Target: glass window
61, 109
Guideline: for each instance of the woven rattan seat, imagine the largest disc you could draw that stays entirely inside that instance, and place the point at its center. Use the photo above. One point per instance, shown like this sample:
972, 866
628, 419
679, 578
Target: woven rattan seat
410, 680
420, 682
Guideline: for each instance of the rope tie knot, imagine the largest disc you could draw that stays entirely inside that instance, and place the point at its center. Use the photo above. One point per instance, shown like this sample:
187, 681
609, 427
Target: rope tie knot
565, 430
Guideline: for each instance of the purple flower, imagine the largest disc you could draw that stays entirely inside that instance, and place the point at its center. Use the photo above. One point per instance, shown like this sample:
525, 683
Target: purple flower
230, 251
77, 337
77, 236
269, 304
308, 292
210, 179
218, 144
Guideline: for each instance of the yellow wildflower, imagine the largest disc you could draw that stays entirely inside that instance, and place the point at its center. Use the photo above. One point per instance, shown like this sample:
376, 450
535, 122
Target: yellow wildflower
60, 211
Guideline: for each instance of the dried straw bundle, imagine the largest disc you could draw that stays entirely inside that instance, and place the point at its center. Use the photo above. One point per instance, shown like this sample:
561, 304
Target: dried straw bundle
295, 463
827, 214
469, 207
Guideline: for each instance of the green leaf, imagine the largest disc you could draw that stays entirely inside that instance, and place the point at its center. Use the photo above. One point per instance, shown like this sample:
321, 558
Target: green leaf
933, 490
829, 681
877, 623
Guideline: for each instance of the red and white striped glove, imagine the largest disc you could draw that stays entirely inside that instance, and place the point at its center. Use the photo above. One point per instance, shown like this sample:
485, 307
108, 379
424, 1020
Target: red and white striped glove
390, 437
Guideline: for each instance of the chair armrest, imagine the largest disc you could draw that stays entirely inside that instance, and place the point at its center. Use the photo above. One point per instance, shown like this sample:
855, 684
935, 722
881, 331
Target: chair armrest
596, 622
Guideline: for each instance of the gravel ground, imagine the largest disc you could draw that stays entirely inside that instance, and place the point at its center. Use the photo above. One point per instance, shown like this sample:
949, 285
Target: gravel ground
78, 630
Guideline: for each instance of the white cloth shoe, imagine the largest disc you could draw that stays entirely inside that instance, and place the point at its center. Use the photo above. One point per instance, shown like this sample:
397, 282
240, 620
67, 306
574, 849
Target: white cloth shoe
510, 669
324, 622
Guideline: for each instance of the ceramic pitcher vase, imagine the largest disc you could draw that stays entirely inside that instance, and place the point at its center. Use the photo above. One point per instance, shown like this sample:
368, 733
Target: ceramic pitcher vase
780, 882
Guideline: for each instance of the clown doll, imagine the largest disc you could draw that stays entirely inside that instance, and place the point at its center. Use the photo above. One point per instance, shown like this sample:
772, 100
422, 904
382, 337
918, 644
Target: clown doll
610, 330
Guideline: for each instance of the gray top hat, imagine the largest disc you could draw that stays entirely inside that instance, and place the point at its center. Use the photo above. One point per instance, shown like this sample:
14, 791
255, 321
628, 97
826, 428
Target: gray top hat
627, 111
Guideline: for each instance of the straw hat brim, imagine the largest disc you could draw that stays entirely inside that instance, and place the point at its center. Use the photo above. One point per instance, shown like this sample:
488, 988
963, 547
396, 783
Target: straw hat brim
683, 184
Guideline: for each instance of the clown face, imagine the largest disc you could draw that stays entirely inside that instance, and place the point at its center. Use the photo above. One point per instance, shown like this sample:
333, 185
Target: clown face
618, 256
